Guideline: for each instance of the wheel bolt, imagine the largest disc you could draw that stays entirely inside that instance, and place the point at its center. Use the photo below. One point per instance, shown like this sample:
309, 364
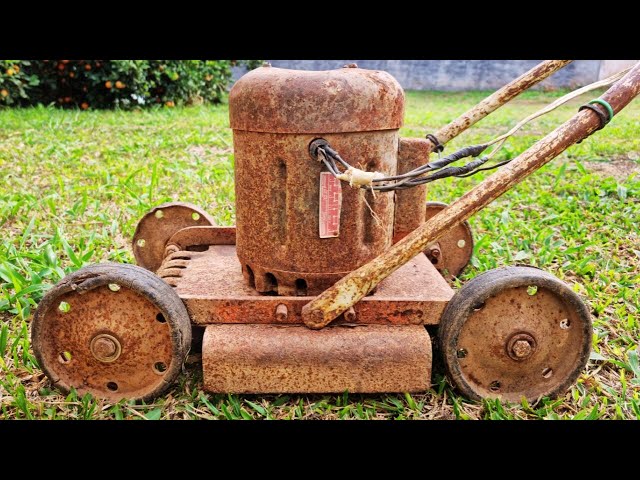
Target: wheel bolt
521, 349
105, 348
520, 346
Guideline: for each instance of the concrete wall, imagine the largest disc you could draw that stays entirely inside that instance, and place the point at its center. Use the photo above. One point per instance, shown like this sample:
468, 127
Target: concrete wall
456, 74
609, 67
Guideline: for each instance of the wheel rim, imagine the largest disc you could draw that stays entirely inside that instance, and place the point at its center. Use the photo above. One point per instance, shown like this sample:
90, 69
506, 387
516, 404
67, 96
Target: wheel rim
501, 339
157, 227
114, 331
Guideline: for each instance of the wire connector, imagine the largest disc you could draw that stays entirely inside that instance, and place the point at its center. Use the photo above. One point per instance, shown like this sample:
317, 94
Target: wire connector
358, 177
437, 146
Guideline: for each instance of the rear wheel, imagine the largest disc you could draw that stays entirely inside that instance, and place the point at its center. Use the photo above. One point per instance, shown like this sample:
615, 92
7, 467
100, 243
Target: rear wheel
452, 252
158, 226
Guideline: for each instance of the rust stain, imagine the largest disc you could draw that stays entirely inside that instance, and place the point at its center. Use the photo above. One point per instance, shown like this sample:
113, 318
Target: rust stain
214, 291
452, 252
409, 212
277, 100
191, 238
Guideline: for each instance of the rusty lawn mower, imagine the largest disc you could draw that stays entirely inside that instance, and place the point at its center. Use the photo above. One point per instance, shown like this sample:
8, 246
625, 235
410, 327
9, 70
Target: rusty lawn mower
334, 269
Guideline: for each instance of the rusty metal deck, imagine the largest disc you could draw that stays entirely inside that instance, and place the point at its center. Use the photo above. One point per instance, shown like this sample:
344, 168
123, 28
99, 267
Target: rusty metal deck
287, 359
214, 291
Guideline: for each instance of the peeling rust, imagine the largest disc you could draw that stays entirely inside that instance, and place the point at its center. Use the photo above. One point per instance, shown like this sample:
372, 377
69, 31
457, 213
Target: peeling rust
277, 211
277, 100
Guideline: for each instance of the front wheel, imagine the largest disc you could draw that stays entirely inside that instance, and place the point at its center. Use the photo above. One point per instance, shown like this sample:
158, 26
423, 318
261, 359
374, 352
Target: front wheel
115, 331
515, 332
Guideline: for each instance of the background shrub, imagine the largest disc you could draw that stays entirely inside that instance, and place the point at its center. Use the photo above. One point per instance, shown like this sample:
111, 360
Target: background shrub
15, 81
114, 83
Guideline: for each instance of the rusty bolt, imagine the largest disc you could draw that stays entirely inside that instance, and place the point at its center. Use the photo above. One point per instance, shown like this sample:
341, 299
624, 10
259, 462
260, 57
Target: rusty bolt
521, 349
350, 315
520, 346
434, 252
281, 312
105, 348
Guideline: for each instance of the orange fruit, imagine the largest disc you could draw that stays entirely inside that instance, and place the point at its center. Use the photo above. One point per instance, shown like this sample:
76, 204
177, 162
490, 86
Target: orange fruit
16, 68
87, 67
72, 75
120, 85
4, 93
208, 78
84, 105
10, 71
108, 84
60, 66
67, 99
170, 104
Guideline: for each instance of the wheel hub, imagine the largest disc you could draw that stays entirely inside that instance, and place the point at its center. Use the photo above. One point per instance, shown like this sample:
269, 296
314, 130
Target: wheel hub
105, 348
521, 346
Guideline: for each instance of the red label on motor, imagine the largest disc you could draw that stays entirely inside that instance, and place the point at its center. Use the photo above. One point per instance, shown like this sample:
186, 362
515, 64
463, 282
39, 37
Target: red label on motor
330, 205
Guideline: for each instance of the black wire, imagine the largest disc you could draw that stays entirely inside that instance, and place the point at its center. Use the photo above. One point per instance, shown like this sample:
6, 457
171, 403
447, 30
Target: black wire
416, 176
499, 164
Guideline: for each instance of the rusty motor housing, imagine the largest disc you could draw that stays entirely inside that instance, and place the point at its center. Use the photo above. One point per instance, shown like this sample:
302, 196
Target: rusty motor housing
275, 114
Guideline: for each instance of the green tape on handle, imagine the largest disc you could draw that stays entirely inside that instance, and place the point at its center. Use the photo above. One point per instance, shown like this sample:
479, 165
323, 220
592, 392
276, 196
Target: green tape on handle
606, 105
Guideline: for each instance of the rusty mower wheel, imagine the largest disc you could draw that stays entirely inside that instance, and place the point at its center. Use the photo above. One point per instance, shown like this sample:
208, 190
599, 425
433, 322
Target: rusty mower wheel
159, 225
515, 332
452, 253
115, 331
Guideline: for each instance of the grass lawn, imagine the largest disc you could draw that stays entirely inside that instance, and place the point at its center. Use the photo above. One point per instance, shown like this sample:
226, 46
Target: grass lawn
74, 184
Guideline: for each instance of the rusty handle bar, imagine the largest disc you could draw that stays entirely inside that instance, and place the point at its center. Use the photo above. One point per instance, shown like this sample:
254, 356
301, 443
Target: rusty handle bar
350, 289
499, 98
